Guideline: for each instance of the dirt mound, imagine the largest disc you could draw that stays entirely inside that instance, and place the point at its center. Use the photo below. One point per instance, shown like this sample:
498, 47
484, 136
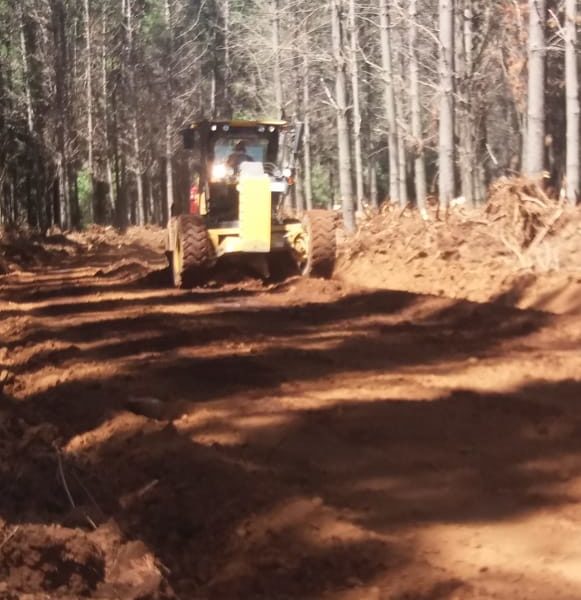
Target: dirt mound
142, 250
23, 251
35, 558
78, 553
521, 248
125, 269
95, 236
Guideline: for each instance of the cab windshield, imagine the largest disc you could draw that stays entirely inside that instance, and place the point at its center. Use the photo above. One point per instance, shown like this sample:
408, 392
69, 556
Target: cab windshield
256, 148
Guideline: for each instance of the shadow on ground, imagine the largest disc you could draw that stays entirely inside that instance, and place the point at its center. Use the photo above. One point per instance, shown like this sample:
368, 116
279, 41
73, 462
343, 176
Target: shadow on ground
291, 499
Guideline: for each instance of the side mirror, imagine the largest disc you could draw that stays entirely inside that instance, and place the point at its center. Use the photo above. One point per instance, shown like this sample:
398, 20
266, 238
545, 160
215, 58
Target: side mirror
298, 137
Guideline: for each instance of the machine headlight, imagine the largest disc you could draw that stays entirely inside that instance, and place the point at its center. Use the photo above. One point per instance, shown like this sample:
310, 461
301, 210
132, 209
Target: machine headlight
220, 171
287, 172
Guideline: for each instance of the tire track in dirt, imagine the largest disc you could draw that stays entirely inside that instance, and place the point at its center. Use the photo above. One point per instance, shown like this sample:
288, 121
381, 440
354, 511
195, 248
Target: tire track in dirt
302, 440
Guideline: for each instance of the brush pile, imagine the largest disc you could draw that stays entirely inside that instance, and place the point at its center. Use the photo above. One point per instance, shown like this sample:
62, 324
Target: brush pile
522, 212
519, 235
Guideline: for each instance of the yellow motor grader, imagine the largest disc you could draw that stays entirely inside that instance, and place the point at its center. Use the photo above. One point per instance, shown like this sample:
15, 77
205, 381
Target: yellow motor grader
241, 174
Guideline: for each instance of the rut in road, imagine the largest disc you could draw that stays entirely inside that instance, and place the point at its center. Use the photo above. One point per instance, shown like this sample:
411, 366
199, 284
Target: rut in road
302, 440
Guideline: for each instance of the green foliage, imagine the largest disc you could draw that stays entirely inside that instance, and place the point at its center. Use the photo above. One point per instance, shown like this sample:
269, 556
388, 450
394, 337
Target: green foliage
153, 21
243, 115
322, 190
249, 115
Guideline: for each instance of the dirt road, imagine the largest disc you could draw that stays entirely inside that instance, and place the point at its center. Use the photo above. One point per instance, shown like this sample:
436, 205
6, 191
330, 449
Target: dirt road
305, 440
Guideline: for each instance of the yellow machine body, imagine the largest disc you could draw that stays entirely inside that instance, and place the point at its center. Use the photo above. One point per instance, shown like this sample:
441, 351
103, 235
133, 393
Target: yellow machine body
255, 210
236, 206
228, 240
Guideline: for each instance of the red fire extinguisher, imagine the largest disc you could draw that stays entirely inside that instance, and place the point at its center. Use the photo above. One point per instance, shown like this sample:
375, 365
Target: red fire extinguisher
194, 200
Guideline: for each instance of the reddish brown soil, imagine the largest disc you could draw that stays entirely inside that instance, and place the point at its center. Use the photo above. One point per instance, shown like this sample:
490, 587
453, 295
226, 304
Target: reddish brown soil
473, 254
302, 440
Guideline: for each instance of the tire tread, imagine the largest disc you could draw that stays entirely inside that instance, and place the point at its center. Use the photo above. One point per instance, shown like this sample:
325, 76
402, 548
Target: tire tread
196, 250
322, 250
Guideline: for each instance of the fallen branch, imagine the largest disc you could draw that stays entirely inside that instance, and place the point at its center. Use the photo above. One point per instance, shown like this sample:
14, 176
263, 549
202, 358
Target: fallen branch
64, 479
89, 496
9, 536
532, 200
545, 230
68, 491
521, 258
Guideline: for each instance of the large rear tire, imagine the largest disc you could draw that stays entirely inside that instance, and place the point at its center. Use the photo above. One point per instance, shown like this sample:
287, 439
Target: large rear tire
320, 244
192, 254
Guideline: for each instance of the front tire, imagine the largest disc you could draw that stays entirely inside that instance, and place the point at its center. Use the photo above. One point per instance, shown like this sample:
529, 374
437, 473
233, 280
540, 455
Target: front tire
191, 257
320, 244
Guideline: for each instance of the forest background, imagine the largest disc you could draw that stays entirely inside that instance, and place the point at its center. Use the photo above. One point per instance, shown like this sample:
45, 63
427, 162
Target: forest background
400, 99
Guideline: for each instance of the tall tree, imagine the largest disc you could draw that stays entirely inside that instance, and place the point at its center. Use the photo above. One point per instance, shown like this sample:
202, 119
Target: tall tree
89, 80
341, 107
276, 71
464, 53
416, 111
355, 94
535, 144
572, 90
446, 75
307, 163
169, 179
389, 100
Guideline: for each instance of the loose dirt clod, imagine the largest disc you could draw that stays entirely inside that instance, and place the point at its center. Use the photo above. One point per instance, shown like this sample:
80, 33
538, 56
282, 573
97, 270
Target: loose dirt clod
146, 406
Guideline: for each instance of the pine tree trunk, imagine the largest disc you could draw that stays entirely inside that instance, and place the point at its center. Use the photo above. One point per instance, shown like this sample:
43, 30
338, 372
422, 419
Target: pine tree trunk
26, 72
307, 163
169, 115
3, 115
465, 113
60, 67
33, 208
373, 185
446, 133
345, 183
118, 170
356, 118
401, 150
276, 69
535, 143
298, 73
140, 208
89, 102
101, 214
389, 101
572, 85
401, 166
227, 58
153, 210
416, 112
136, 159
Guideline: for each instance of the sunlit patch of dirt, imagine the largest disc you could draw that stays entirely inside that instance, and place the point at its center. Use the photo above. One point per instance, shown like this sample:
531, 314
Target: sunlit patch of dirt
294, 439
521, 249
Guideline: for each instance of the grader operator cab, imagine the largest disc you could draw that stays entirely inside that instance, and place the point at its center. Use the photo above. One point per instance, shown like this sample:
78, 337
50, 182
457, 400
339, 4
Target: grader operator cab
242, 174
